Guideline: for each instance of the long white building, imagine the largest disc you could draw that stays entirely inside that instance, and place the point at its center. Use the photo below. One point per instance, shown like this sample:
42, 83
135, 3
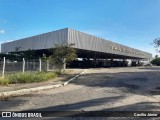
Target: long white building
85, 44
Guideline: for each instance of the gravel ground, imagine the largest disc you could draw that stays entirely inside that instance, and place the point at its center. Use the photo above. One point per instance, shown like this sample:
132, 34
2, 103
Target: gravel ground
108, 89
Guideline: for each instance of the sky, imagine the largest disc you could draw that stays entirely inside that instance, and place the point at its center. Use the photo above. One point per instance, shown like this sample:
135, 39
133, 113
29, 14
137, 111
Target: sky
134, 23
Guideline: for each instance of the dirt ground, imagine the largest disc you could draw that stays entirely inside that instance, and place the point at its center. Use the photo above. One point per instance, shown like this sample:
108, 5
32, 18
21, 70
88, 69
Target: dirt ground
104, 89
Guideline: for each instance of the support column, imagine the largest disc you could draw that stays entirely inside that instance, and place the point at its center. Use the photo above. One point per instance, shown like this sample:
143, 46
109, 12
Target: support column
124, 63
112, 62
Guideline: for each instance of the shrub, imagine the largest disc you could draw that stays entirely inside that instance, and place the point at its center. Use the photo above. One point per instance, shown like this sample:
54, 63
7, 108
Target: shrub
4, 81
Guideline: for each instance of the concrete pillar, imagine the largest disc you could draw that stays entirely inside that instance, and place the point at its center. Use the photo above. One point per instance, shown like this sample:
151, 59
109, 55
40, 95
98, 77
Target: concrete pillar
138, 62
124, 63
112, 62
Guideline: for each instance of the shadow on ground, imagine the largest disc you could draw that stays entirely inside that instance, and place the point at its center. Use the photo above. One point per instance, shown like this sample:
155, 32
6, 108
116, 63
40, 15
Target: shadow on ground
150, 68
78, 109
82, 104
127, 82
9, 104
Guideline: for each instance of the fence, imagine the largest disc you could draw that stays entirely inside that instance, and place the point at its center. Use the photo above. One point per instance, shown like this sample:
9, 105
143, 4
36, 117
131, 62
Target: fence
21, 65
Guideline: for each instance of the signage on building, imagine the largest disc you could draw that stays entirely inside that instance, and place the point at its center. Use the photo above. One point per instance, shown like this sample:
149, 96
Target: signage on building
125, 50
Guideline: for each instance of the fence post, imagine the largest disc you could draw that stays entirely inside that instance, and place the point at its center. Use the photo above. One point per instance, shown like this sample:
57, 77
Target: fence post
23, 65
64, 64
47, 65
4, 64
40, 65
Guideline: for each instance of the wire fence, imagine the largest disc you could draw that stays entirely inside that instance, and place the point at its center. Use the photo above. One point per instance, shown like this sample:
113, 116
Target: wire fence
8, 66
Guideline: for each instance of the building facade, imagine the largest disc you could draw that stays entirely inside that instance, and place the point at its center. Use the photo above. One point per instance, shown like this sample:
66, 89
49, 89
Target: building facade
86, 44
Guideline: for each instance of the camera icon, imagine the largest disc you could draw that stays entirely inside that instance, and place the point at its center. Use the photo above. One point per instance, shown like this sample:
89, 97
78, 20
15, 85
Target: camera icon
6, 114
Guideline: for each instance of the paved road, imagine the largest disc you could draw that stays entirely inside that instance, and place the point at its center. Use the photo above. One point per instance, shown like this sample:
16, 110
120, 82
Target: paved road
118, 89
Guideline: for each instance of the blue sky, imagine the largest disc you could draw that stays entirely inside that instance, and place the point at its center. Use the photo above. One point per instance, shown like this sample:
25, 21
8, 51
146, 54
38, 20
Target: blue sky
135, 23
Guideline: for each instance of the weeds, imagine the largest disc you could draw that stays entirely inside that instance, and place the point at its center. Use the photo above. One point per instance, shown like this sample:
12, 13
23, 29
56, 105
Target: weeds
28, 77
4, 81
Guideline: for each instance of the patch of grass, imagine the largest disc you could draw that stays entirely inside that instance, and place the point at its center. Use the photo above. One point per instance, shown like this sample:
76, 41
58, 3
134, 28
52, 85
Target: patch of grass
43, 76
21, 78
28, 77
4, 81
51, 75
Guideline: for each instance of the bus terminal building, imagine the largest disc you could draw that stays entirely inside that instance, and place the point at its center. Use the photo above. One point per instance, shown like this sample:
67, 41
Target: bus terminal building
89, 48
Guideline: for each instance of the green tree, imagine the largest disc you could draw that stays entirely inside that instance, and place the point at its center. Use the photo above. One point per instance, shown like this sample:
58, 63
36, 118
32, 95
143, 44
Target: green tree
29, 54
156, 61
44, 57
17, 49
156, 56
156, 43
62, 54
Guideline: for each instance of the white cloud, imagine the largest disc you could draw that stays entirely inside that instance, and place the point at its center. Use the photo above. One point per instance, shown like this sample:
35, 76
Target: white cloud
2, 31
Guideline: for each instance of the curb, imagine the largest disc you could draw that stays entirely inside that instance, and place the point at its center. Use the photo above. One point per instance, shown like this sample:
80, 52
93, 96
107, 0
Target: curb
30, 90
65, 83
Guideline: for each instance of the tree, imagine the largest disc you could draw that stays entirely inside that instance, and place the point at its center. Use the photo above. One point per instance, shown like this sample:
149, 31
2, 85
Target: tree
156, 43
156, 61
62, 54
17, 49
156, 56
44, 57
29, 54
